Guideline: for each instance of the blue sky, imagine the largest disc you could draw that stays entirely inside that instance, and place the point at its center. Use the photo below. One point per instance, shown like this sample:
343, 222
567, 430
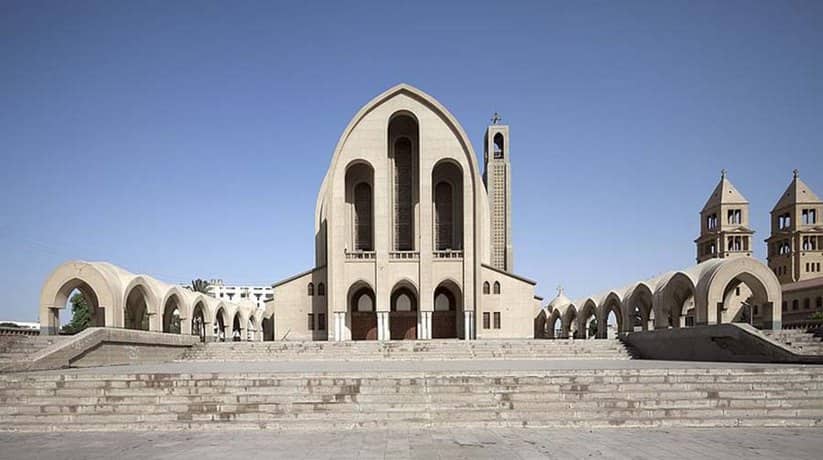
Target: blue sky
119, 117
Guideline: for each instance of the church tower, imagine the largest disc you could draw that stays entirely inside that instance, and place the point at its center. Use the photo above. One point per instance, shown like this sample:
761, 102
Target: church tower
796, 241
724, 224
497, 177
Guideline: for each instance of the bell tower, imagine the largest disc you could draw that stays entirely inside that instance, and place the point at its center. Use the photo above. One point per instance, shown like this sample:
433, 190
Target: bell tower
724, 224
497, 177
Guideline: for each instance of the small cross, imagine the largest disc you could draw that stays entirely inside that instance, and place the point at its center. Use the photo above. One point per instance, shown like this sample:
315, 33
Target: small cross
496, 118
559, 289
796, 173
723, 173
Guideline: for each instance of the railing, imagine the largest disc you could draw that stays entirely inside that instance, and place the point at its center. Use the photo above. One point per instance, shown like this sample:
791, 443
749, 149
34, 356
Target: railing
18, 331
448, 254
360, 255
404, 255
804, 324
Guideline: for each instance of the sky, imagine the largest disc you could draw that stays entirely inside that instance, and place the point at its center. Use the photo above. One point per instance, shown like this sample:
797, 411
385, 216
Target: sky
189, 139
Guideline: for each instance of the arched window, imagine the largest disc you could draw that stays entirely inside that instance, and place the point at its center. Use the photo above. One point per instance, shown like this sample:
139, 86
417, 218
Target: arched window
321, 289
363, 217
443, 216
311, 289
497, 287
403, 206
498, 146
486, 287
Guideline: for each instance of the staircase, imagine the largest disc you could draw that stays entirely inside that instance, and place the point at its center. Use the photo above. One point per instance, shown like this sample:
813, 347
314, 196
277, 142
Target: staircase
17, 348
409, 350
799, 340
634, 397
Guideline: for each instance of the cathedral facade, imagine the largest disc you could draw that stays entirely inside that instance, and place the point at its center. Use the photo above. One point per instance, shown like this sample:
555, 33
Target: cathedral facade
412, 241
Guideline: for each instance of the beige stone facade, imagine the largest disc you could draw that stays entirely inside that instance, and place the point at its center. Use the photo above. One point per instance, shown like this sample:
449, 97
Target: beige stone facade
409, 242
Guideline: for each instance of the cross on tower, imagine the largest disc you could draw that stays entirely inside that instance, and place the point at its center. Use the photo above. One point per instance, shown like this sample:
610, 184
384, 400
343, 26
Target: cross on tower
496, 118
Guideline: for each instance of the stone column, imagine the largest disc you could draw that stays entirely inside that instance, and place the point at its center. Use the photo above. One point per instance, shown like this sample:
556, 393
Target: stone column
468, 324
424, 326
185, 326
339, 326
383, 331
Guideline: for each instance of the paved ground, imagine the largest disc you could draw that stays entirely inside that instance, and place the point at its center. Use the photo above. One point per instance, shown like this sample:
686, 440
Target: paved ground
478, 365
683, 443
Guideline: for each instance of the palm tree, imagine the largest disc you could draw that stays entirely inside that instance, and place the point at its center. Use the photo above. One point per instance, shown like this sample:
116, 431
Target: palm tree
199, 285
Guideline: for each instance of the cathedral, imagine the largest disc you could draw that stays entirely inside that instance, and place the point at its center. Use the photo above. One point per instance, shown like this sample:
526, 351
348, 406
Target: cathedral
412, 241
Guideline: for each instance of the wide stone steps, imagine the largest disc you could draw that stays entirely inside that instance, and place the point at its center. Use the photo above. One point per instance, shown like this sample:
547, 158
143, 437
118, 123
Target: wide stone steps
19, 347
404, 350
785, 396
800, 341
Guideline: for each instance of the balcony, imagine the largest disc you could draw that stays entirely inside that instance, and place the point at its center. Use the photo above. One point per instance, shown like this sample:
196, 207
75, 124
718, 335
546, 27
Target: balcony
450, 254
404, 255
360, 256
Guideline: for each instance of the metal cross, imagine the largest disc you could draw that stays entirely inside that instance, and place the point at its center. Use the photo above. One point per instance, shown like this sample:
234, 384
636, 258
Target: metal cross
496, 118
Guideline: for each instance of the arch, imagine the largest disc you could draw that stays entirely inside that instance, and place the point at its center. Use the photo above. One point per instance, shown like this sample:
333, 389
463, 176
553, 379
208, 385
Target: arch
362, 312
440, 113
236, 328
199, 319
147, 293
403, 314
639, 302
403, 141
172, 312
447, 301
321, 289
674, 301
447, 204
554, 325
486, 287
499, 146
91, 279
496, 288
589, 324
568, 324
310, 289
714, 286
221, 323
612, 304
359, 183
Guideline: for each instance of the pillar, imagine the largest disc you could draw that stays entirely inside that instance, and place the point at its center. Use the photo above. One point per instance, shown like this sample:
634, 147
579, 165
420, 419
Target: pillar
339, 326
424, 325
383, 331
468, 324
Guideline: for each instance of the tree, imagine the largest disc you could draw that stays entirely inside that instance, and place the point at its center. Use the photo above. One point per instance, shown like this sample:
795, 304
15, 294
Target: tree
593, 327
80, 314
199, 285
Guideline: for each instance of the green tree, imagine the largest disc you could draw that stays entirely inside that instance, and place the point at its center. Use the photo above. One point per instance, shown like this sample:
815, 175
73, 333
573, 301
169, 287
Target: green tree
816, 316
199, 285
80, 314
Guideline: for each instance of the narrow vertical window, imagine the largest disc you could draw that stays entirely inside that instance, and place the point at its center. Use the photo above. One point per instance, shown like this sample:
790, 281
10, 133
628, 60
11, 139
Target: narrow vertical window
496, 287
497, 320
321, 321
321, 289
403, 207
486, 287
444, 216
363, 217
310, 289
486, 320
311, 321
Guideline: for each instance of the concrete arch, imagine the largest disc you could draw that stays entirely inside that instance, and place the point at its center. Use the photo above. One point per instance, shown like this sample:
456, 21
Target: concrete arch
551, 325
611, 303
639, 303
674, 299
569, 328
587, 311
92, 278
714, 284
151, 294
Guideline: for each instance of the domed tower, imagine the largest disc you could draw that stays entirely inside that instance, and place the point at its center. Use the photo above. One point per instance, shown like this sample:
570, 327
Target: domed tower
724, 224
